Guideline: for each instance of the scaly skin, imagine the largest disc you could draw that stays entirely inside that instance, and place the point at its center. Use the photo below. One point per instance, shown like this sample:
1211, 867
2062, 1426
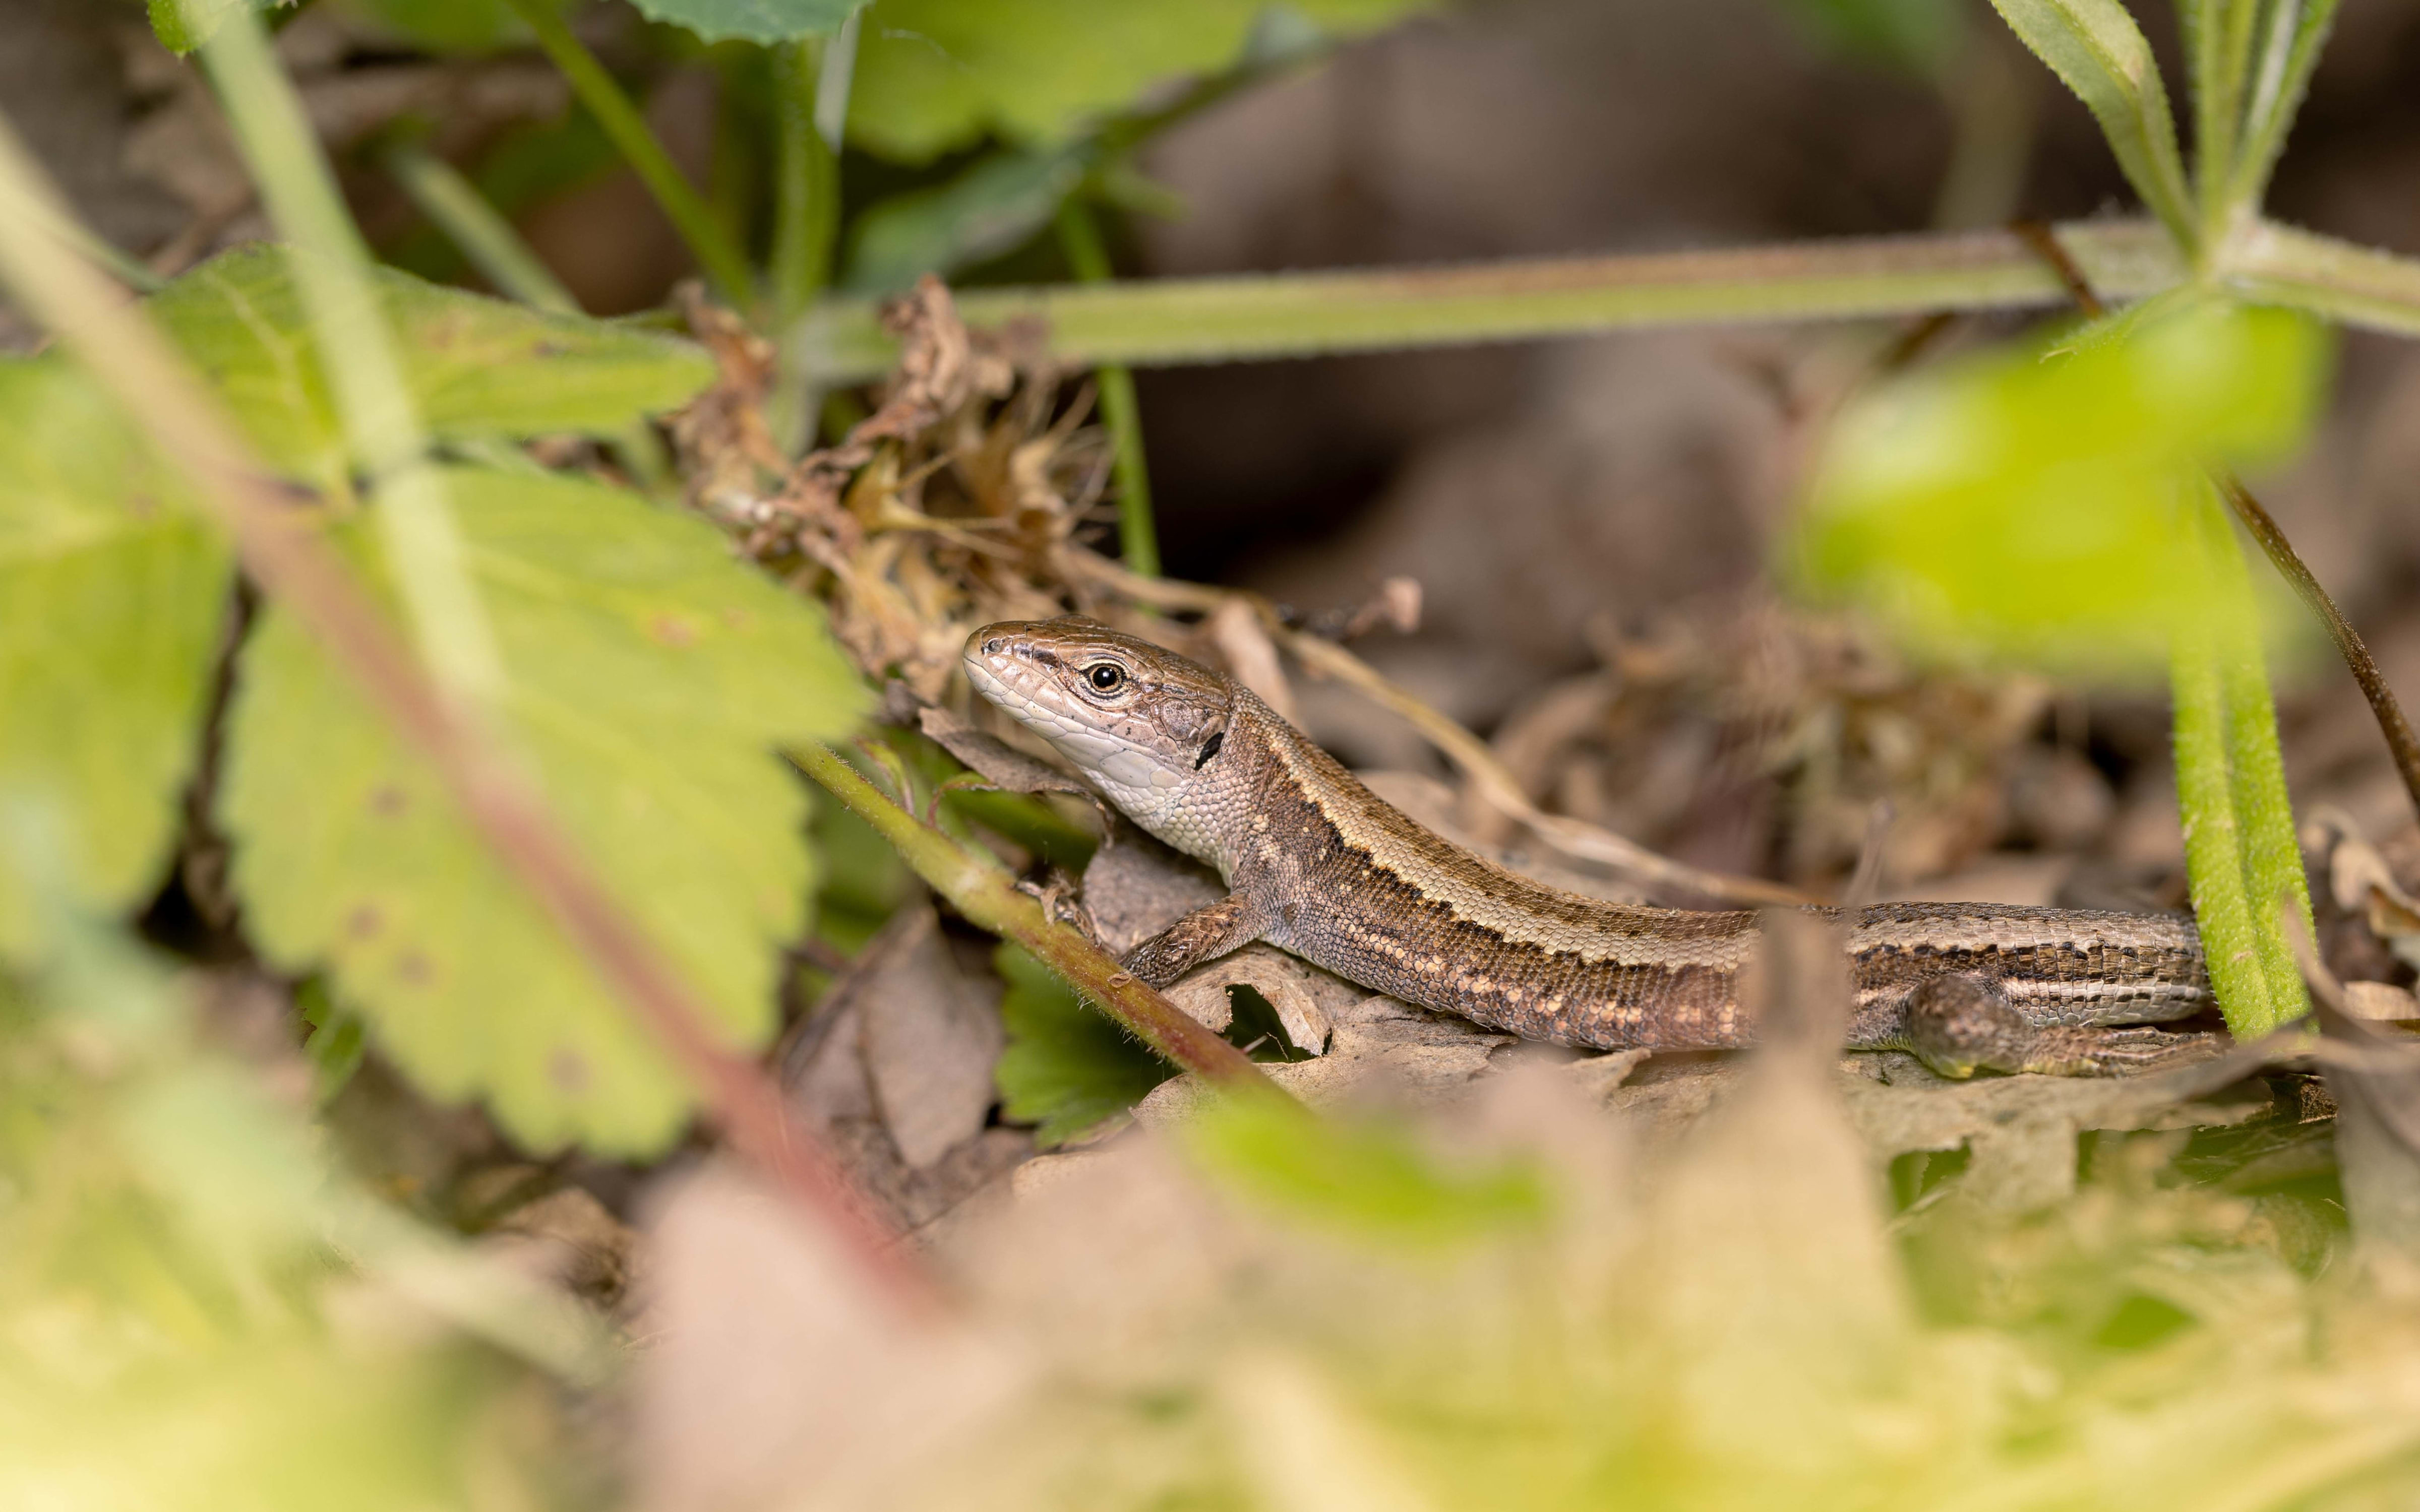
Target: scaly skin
1319, 865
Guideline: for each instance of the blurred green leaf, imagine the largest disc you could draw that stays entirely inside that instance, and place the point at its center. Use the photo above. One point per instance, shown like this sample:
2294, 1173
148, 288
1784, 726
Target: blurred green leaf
162, 1282
2096, 51
1067, 1068
113, 592
1917, 35
652, 678
766, 21
992, 207
446, 26
934, 76
2027, 506
476, 366
335, 1044
1368, 1177
183, 25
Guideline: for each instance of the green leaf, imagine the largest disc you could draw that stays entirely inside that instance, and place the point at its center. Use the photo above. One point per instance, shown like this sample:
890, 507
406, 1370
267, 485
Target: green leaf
2285, 63
1067, 1068
990, 208
2022, 506
183, 25
113, 591
1920, 36
477, 367
934, 76
2096, 51
651, 679
1370, 1178
765, 21
2242, 855
472, 26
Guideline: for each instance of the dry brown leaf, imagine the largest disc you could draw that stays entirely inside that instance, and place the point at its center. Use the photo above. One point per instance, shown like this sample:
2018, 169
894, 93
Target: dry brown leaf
773, 1380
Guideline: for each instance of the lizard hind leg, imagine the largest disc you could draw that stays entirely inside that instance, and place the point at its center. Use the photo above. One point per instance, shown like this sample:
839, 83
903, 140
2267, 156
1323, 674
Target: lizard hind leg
1962, 1023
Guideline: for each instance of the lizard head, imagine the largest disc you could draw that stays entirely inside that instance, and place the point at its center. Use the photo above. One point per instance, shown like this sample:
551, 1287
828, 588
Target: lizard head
1143, 724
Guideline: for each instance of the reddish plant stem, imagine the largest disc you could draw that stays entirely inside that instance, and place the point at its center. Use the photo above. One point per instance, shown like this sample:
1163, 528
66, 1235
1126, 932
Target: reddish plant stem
290, 562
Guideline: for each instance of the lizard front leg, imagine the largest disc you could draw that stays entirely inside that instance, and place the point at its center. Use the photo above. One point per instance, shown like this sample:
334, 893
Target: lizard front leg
1203, 934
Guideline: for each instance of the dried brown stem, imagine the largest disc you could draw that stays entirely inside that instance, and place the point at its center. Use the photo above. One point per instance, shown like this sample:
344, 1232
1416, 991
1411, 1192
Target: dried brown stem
290, 562
2400, 742
1488, 775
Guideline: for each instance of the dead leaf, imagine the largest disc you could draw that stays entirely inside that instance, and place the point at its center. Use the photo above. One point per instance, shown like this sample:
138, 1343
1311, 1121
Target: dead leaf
772, 1379
929, 1036
1283, 979
1135, 886
993, 759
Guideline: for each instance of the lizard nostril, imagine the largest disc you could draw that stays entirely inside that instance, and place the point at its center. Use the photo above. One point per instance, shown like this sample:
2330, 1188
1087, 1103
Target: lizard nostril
991, 647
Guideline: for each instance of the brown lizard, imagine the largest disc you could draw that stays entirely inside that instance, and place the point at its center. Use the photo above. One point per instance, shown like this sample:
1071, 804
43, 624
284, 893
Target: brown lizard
1318, 865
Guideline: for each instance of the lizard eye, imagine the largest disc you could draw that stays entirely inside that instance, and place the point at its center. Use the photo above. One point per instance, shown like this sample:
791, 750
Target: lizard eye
1105, 676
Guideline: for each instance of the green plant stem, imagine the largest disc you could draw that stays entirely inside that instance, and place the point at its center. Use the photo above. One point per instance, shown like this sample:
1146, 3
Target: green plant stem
806, 198
2213, 849
2241, 853
1137, 532
989, 898
613, 111
127, 271
2272, 856
1174, 321
2267, 262
383, 430
455, 205
806, 222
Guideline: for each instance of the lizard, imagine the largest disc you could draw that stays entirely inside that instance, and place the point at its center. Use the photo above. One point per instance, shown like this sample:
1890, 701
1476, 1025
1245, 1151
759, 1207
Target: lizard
1318, 865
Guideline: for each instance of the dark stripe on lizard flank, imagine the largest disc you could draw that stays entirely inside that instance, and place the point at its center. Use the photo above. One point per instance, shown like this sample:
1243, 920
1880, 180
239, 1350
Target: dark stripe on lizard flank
1357, 915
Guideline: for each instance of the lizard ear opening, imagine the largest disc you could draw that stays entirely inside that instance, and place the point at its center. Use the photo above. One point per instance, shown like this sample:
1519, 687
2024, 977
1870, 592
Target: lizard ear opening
1210, 749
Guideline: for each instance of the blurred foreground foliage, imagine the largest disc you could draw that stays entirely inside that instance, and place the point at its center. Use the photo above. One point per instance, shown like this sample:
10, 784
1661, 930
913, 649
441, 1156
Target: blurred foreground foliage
2030, 504
185, 1318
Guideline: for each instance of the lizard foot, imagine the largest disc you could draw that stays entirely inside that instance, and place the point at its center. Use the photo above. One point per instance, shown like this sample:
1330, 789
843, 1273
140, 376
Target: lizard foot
1960, 1024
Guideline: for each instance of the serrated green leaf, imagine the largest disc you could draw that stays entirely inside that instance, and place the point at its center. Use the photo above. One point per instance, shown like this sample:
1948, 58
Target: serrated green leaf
1067, 1068
937, 75
651, 679
988, 209
111, 594
2096, 51
765, 21
2023, 507
477, 367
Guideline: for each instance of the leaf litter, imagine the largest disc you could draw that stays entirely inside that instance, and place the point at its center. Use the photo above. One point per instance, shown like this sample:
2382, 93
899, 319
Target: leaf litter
1790, 1275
